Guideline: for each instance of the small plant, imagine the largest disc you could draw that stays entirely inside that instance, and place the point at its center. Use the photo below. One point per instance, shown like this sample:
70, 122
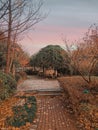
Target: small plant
23, 114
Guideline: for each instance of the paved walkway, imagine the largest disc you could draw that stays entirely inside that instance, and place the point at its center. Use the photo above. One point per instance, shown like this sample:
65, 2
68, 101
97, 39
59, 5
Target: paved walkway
39, 84
51, 114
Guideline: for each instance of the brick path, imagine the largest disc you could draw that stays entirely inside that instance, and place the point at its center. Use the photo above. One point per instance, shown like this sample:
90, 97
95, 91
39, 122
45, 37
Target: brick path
52, 115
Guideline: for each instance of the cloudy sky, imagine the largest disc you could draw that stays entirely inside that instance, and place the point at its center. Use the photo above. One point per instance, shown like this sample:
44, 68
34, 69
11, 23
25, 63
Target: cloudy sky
67, 18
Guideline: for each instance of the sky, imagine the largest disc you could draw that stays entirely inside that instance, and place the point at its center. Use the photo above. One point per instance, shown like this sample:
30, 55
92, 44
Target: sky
67, 19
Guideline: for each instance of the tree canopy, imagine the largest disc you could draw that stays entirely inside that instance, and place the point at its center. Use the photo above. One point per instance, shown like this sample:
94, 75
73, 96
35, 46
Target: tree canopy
51, 56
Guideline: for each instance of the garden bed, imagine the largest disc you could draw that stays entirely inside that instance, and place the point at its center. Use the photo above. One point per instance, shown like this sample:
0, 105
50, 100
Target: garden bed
17, 113
6, 109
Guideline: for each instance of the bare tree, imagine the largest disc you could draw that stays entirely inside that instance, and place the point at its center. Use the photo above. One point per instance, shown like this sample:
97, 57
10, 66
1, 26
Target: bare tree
70, 58
3, 8
20, 16
85, 57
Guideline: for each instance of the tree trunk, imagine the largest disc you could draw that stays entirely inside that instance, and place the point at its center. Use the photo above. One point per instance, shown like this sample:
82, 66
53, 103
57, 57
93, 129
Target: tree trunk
43, 70
71, 70
13, 70
9, 39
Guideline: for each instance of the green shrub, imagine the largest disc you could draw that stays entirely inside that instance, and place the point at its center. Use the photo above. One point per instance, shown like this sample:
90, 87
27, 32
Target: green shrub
23, 114
20, 75
17, 77
7, 85
31, 99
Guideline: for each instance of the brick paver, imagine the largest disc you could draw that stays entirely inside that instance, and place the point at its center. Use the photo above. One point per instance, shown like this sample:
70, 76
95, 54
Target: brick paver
52, 115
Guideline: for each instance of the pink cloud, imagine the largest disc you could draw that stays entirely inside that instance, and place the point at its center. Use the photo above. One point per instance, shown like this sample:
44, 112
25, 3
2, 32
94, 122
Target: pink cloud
46, 35
51, 33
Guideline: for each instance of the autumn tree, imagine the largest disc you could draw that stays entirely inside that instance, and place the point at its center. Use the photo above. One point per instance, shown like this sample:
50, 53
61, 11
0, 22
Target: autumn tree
19, 16
21, 58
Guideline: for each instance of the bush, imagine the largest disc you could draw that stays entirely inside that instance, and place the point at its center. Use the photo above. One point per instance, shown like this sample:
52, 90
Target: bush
7, 85
20, 75
17, 77
23, 114
31, 72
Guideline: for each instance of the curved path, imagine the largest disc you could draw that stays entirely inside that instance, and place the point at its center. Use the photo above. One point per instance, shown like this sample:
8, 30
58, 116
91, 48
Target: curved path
51, 114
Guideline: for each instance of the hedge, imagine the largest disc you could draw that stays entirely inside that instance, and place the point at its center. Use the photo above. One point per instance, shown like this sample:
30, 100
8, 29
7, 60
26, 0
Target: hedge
7, 85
